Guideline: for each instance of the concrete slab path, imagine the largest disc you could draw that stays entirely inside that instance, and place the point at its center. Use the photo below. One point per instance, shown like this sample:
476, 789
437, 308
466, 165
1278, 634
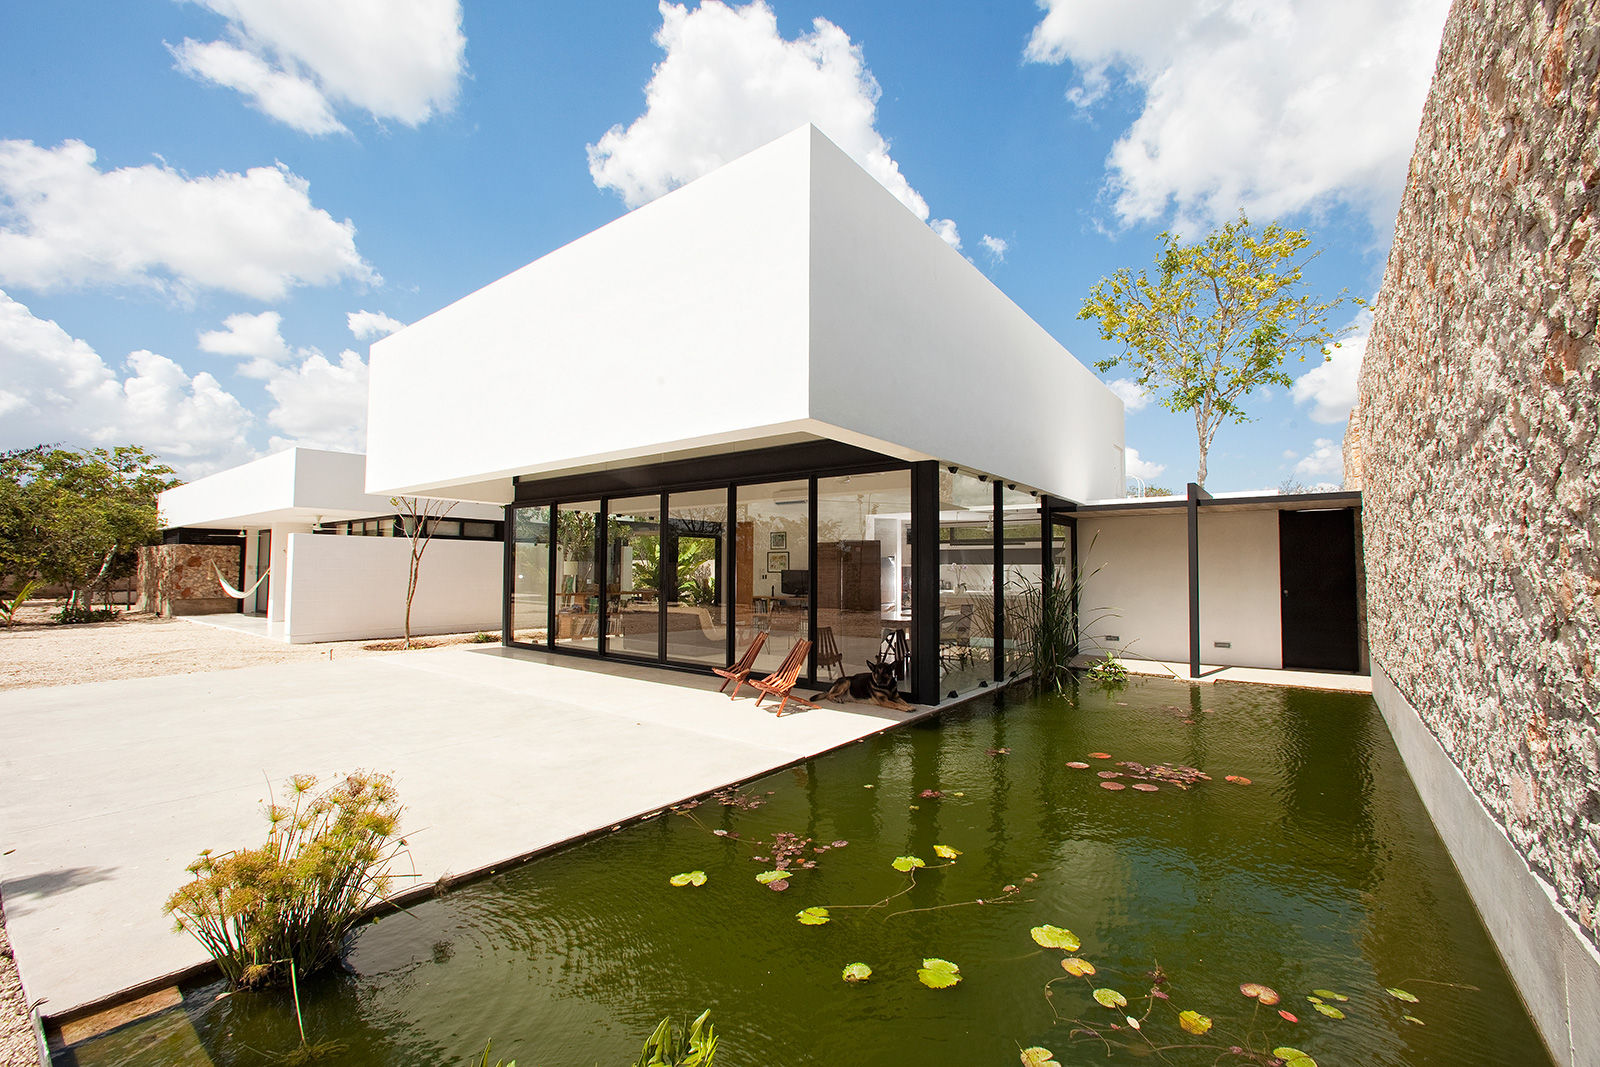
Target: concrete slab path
109, 790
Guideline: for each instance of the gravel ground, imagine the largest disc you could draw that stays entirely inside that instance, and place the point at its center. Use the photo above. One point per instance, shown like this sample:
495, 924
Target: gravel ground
36, 652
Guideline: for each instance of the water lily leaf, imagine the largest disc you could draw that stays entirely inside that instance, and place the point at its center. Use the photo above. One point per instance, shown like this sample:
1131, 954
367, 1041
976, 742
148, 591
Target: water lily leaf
1413, 1019
1099, 755
1314, 998
1293, 1057
1194, 1022
1265, 994
779, 886
1236, 779
812, 916
688, 878
938, 974
1329, 1010
857, 972
1110, 998
903, 864
1146, 787
1048, 936
1113, 786
768, 877
1078, 765
1038, 1057
1288, 1017
1133, 1022
1329, 994
1076, 967
945, 852
1401, 994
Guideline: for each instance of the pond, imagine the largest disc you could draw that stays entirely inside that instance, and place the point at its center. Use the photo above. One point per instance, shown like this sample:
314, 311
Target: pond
1315, 873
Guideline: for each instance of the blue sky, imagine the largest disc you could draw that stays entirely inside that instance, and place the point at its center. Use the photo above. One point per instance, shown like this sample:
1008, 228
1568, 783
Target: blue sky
199, 198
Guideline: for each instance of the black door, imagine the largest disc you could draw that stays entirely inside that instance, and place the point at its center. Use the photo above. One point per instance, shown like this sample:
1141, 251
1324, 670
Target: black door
1317, 561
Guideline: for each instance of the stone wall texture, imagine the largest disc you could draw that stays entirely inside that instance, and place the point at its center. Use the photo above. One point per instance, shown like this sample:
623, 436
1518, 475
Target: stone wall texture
178, 579
1475, 439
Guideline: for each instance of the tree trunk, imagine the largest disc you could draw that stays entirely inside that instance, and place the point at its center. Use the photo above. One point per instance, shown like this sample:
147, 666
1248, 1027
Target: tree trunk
1203, 445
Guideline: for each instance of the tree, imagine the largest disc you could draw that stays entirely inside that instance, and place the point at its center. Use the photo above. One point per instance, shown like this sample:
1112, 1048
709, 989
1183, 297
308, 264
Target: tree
1216, 322
419, 517
77, 518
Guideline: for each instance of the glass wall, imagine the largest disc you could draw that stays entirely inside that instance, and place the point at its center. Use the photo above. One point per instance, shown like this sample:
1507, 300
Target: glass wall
577, 576
530, 574
1023, 571
863, 578
695, 538
771, 564
633, 576
966, 582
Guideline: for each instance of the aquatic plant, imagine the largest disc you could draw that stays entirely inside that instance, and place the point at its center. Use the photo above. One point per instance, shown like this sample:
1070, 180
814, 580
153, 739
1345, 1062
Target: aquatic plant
267, 914
1108, 673
667, 1047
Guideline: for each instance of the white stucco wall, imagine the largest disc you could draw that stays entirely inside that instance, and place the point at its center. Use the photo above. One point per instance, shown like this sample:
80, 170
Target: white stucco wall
1143, 577
346, 588
263, 485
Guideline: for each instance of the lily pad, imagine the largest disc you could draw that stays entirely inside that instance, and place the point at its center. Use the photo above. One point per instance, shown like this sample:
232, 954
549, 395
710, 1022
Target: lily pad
1146, 787
1413, 1019
1099, 755
812, 916
1314, 998
1194, 1022
1113, 786
904, 864
1288, 1017
1329, 994
1255, 990
1329, 1010
1293, 1057
1039, 1057
1237, 779
1401, 994
938, 974
857, 972
1048, 936
688, 878
1078, 765
768, 877
1076, 967
1110, 998
945, 852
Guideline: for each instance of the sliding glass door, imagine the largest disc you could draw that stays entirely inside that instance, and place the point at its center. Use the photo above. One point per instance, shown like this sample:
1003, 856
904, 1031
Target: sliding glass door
694, 552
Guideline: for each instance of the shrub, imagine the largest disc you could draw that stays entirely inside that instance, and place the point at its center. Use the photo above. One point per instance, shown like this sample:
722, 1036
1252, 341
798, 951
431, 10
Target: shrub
19, 596
483, 637
292, 902
1108, 672
82, 611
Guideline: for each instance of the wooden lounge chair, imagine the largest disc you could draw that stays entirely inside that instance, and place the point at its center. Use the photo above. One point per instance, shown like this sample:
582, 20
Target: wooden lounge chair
738, 672
829, 658
780, 682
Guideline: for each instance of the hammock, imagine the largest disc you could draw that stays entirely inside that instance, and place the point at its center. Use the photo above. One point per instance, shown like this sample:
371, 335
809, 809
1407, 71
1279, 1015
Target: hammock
231, 591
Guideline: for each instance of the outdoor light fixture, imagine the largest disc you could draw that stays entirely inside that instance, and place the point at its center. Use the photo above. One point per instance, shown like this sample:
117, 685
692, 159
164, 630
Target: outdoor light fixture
1011, 485
954, 469
983, 477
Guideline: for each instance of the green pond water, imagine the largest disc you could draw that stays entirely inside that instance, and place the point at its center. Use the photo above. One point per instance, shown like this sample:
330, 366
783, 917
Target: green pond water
1323, 873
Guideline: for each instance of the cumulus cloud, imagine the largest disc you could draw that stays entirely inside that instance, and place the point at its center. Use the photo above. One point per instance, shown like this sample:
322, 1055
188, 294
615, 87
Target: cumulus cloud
369, 324
1325, 458
321, 404
296, 61
1331, 386
57, 388
1273, 105
65, 224
730, 83
997, 247
255, 338
1138, 467
1131, 393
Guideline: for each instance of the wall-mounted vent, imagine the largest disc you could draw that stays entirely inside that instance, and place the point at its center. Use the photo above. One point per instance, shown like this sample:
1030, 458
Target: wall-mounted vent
1112, 637
1222, 644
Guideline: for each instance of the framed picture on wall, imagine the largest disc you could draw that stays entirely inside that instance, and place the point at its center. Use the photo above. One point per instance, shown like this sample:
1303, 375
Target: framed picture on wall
777, 561
778, 540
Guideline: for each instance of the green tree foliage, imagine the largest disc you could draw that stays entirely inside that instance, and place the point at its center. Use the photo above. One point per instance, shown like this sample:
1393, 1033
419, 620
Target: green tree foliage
77, 518
1216, 321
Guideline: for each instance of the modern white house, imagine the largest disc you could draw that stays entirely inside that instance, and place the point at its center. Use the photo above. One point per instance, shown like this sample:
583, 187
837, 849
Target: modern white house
770, 402
321, 559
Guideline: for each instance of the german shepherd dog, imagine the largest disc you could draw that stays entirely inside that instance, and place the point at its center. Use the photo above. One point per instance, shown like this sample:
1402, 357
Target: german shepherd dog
876, 684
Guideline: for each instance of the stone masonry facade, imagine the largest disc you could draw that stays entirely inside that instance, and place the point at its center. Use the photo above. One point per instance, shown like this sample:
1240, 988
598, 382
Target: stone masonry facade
179, 580
1476, 441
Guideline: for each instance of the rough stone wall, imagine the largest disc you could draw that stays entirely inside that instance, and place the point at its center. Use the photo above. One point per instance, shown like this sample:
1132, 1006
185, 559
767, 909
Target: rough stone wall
178, 579
1476, 433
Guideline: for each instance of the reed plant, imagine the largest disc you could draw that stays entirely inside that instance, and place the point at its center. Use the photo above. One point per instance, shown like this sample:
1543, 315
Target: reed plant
284, 909
1049, 615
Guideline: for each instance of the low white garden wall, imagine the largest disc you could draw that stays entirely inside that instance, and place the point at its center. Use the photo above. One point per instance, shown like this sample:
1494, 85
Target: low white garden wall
349, 588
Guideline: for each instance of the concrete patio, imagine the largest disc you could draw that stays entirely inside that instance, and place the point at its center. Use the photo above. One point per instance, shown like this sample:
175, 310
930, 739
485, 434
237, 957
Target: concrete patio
108, 790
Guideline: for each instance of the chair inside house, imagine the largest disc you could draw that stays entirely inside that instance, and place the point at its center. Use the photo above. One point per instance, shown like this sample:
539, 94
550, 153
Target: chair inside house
781, 682
738, 672
829, 657
955, 637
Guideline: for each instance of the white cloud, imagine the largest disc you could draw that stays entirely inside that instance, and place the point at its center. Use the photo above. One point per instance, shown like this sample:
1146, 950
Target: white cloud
1137, 467
1131, 393
255, 338
65, 224
321, 404
997, 247
370, 324
1326, 457
57, 388
946, 229
1331, 386
1273, 105
296, 60
730, 83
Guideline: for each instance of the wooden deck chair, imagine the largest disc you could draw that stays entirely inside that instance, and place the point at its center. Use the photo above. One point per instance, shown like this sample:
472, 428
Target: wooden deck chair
829, 658
738, 672
781, 682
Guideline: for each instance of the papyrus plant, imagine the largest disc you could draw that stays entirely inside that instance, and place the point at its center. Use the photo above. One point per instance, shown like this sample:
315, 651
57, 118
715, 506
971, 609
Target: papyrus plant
292, 901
